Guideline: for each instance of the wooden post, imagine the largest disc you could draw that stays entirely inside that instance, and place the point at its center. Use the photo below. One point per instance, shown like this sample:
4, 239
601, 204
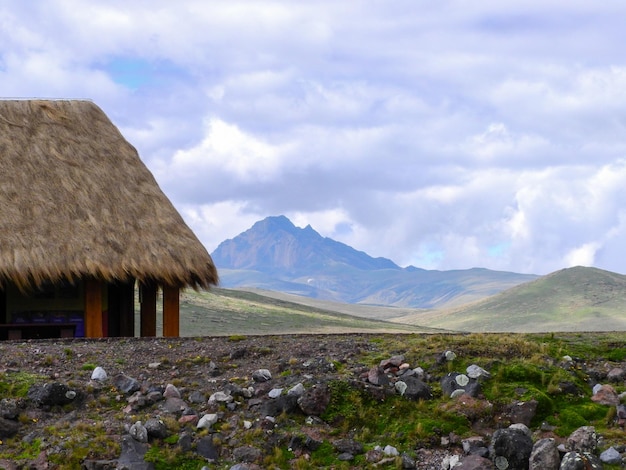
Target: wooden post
93, 308
148, 304
171, 311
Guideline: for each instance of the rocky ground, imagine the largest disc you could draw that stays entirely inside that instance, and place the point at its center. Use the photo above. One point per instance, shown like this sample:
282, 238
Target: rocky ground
219, 402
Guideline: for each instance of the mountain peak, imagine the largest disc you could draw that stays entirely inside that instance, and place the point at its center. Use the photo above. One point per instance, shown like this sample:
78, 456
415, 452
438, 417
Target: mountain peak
275, 222
275, 244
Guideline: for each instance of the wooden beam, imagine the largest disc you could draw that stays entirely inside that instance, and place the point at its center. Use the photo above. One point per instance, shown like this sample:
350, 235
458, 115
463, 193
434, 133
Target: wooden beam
93, 308
171, 311
148, 308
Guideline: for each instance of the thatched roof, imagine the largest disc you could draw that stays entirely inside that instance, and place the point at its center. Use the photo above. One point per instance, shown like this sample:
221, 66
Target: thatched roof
76, 201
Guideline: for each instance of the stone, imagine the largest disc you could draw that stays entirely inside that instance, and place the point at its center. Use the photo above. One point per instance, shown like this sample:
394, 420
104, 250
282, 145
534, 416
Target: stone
583, 439
617, 374
207, 421
156, 428
261, 375
580, 461
452, 381
449, 356
395, 361
220, 397
174, 405
126, 384
246, 454
138, 432
8, 428
523, 412
391, 450
132, 455
475, 445
275, 392
510, 449
315, 400
99, 374
349, 446
377, 376
611, 457
50, 394
297, 390
476, 372
207, 449
606, 395
282, 404
197, 397
545, 455
416, 389
171, 391
621, 415
473, 462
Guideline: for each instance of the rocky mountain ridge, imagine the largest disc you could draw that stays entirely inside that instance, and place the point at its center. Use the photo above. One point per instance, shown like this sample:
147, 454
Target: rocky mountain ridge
275, 255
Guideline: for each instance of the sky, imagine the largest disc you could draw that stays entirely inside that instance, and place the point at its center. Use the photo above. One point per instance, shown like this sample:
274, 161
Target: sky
444, 135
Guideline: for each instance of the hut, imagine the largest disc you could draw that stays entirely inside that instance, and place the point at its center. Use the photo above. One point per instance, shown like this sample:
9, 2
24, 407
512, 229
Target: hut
83, 223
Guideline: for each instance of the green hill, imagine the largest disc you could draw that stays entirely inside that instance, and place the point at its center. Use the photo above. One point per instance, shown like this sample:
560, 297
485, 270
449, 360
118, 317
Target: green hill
221, 312
573, 299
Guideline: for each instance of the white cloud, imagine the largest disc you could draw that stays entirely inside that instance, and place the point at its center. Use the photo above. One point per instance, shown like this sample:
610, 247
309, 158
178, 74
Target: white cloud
430, 134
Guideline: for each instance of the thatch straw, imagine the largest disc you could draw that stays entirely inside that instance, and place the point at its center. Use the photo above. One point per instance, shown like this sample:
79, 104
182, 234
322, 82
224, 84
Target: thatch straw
76, 201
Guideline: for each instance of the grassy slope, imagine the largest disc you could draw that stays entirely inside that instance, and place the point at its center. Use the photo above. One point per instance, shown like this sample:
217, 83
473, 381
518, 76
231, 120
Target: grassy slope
231, 312
574, 299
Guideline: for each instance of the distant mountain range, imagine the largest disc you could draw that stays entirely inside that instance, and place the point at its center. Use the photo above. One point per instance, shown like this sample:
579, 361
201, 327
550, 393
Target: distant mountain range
275, 255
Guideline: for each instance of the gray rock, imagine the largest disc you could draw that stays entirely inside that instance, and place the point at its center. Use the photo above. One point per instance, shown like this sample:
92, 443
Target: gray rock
416, 389
207, 421
349, 446
394, 361
51, 394
611, 457
99, 374
315, 400
171, 391
207, 449
474, 462
132, 455
452, 382
304, 442
8, 428
220, 397
475, 445
545, 455
523, 412
247, 454
297, 390
126, 384
377, 376
408, 463
617, 374
197, 397
156, 428
584, 439
261, 375
282, 404
580, 461
510, 447
174, 405
138, 432
476, 372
